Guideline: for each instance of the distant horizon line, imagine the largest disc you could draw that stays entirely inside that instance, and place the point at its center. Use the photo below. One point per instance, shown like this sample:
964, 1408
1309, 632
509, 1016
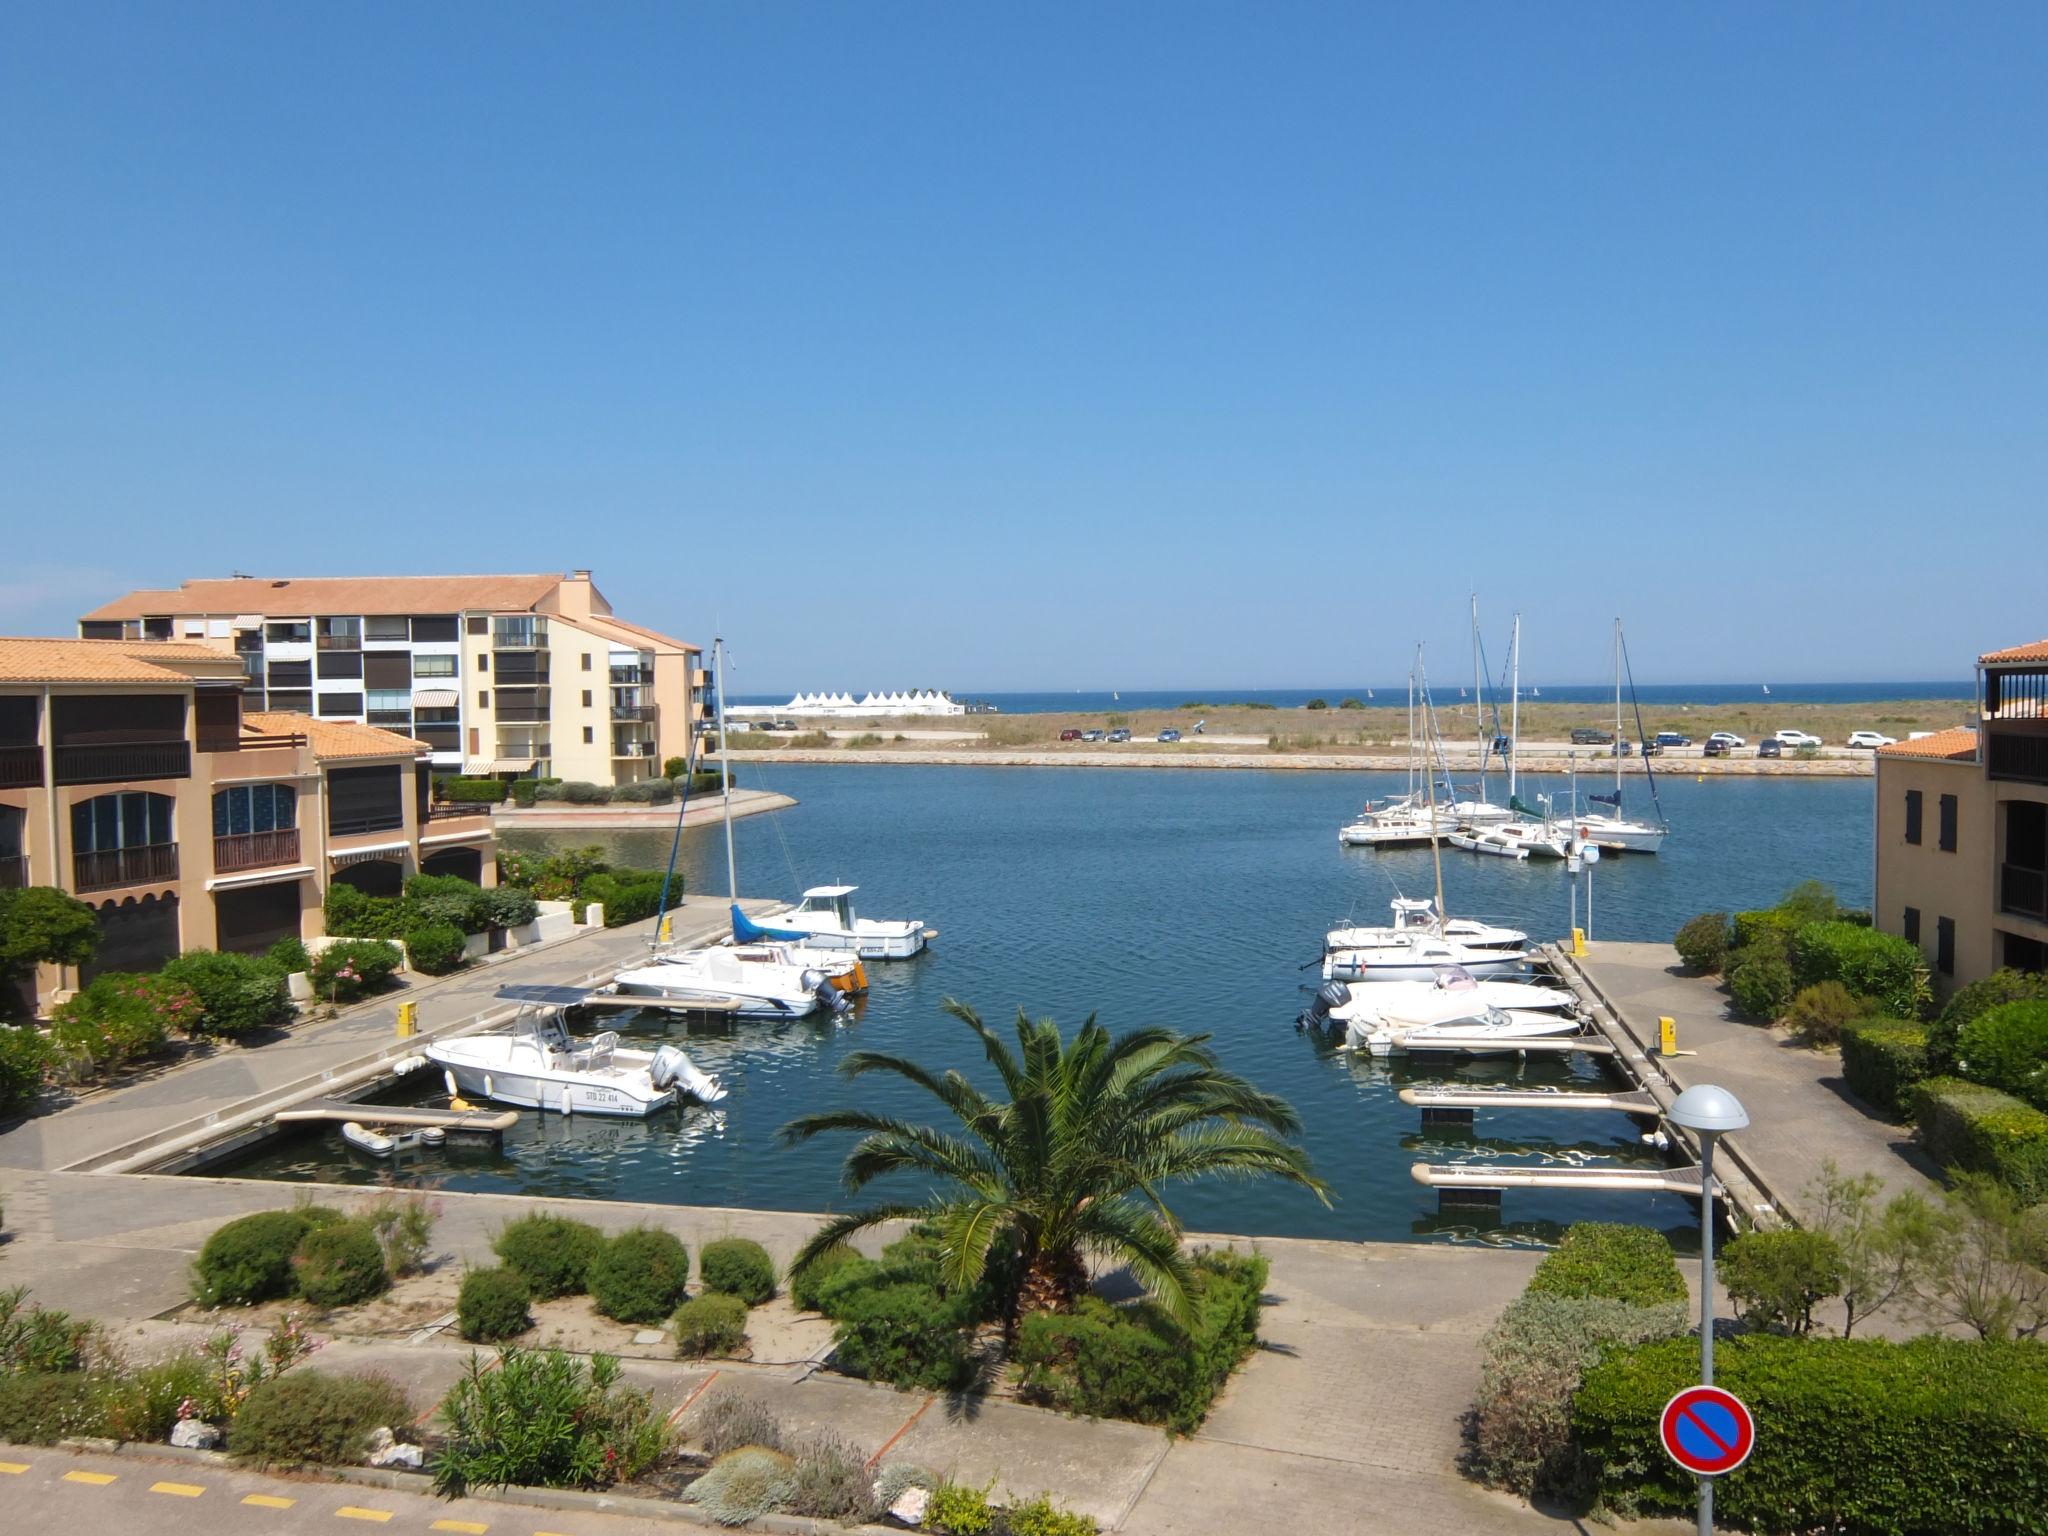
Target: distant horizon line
1401, 685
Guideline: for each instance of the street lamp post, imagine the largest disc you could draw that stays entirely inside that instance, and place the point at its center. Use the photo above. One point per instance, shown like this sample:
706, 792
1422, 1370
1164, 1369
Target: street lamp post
1709, 1113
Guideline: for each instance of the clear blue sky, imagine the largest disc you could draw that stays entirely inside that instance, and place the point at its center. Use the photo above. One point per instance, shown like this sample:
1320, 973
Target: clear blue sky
1051, 345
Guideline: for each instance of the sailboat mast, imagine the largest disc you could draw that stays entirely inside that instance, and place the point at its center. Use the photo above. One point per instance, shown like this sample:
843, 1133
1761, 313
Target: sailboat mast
1411, 727
1514, 702
1617, 716
1478, 700
1436, 847
732, 879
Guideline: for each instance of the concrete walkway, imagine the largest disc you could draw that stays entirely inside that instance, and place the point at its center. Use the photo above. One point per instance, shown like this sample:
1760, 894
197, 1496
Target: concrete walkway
703, 810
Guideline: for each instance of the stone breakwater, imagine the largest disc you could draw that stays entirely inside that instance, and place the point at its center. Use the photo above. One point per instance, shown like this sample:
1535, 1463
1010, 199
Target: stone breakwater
1146, 756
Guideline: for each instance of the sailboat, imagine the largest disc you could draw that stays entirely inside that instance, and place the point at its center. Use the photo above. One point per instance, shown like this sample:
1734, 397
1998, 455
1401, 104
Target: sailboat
1616, 831
1767, 690
1402, 822
1534, 832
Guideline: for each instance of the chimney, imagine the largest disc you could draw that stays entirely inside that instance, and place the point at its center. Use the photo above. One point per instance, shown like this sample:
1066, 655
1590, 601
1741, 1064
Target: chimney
574, 595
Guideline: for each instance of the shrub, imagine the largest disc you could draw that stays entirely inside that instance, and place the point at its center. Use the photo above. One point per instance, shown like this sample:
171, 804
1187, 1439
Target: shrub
578, 792
339, 1265
2006, 1048
1042, 1517
545, 1419
1532, 1359
628, 895
1881, 966
42, 1407
350, 913
404, 1225
238, 993
144, 1405
348, 968
24, 1054
806, 1283
905, 1334
39, 925
552, 1252
1777, 1278
711, 1325
116, 1018
728, 1421
1981, 1130
470, 791
1703, 942
36, 1338
506, 906
1818, 1013
640, 1276
524, 792
1622, 1263
1863, 1435
435, 949
830, 1481
1751, 928
744, 1485
493, 1305
311, 1418
1760, 979
740, 1267
249, 1260
959, 1510
2002, 986
644, 792
449, 899
289, 955
674, 767
1881, 1061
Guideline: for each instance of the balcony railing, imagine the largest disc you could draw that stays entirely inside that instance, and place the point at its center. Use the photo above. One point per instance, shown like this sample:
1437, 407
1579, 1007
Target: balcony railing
522, 714
2023, 891
457, 810
13, 871
518, 634
21, 767
632, 677
249, 742
640, 712
2012, 755
255, 850
632, 749
151, 865
356, 826
118, 762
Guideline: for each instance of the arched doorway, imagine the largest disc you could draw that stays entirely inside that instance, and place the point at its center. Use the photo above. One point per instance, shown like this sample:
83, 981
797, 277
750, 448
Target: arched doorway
466, 862
135, 935
373, 877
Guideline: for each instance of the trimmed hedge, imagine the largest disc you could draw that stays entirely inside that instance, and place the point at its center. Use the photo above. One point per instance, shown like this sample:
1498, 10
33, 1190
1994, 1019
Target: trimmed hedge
450, 899
1760, 978
1880, 966
239, 993
434, 949
1978, 1129
493, 1304
2001, 986
1882, 1060
552, 1252
1855, 1435
2006, 1047
250, 1259
738, 1266
640, 1276
459, 791
713, 1324
628, 895
1751, 926
1619, 1262
1703, 942
336, 1265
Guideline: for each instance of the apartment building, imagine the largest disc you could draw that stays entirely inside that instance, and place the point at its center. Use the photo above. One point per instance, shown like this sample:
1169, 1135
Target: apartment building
501, 675
132, 777
1962, 829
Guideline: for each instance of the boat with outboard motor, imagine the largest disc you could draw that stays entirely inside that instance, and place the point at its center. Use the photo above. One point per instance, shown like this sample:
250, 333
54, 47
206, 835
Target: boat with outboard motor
1418, 915
535, 1063
1487, 1030
1452, 991
721, 980
842, 967
1415, 956
825, 919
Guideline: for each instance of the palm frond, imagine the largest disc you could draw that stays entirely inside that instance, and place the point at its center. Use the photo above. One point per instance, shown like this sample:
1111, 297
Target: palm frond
840, 1228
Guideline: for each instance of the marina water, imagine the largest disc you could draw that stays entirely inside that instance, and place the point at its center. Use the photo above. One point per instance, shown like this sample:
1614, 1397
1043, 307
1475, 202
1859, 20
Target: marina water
1190, 898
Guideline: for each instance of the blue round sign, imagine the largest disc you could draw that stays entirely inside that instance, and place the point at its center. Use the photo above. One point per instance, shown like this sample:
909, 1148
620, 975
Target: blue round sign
1707, 1431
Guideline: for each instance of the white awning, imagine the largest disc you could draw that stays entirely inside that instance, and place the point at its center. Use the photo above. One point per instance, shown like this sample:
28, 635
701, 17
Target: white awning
248, 621
259, 877
436, 698
375, 851
476, 767
512, 765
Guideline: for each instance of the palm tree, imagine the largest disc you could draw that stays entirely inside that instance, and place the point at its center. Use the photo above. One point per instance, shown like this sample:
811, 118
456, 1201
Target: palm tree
1072, 1163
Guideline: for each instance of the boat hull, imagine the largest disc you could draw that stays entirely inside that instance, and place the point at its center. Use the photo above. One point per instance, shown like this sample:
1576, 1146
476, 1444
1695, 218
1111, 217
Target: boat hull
523, 1091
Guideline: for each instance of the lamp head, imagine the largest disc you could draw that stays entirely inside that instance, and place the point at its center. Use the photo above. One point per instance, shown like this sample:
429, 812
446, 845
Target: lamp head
1709, 1110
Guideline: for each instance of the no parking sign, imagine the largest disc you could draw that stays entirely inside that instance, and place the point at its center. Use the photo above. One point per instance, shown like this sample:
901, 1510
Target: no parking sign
1707, 1431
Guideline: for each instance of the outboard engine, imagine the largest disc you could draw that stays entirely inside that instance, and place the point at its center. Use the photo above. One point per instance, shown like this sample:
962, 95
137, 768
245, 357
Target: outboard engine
1331, 994
672, 1068
666, 1067
819, 985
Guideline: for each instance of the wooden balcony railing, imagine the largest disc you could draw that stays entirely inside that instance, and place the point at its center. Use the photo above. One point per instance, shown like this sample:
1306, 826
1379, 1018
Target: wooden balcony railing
2023, 891
151, 865
119, 762
356, 826
2010, 754
255, 850
13, 871
21, 767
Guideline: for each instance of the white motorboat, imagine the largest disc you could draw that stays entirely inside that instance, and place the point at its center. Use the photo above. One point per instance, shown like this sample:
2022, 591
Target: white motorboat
1452, 993
1395, 825
720, 978
1489, 1027
537, 1064
842, 967
825, 918
1418, 915
1415, 957
1487, 840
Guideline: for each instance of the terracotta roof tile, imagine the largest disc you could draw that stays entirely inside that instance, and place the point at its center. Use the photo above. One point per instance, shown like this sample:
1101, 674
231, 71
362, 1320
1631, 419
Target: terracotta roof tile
1957, 745
332, 739
318, 595
629, 634
2038, 651
33, 659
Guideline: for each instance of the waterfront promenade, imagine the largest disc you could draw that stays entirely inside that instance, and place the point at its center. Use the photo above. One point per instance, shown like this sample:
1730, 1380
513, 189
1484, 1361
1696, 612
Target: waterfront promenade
702, 811
1190, 754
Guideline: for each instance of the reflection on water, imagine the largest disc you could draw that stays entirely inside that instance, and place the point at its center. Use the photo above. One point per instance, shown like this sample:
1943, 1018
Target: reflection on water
1190, 899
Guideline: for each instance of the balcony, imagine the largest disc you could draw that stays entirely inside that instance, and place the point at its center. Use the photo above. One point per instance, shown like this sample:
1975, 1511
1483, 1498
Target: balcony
519, 634
521, 713
255, 850
358, 826
121, 762
13, 871
2016, 755
155, 864
632, 748
21, 767
2023, 891
644, 713
632, 677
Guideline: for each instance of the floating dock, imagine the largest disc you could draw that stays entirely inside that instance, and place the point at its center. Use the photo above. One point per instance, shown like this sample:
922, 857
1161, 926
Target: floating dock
1493, 1045
1496, 1177
481, 1124
1636, 1103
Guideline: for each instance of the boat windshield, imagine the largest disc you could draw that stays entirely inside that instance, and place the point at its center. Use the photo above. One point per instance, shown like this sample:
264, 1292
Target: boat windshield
1455, 978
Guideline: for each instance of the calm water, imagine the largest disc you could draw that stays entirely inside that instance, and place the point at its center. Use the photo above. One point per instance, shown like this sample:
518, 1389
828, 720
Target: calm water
1191, 899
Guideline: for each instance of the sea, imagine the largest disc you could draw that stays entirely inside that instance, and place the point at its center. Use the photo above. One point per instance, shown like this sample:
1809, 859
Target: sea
1146, 896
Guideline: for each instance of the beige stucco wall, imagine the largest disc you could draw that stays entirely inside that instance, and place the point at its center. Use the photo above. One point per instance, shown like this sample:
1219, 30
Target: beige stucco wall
1959, 885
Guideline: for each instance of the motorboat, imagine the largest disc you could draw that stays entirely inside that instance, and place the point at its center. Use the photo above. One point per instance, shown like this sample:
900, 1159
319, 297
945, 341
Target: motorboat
722, 979
392, 1140
825, 919
1478, 1032
1452, 992
1415, 956
843, 968
537, 1064
1418, 915
1490, 840
1396, 825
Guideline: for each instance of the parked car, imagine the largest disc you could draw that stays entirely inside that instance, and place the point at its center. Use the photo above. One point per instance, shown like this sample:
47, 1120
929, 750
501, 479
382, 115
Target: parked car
1716, 747
1871, 739
1169, 735
1119, 734
1590, 736
1791, 738
1653, 749
1673, 739
1770, 747
1070, 735
1623, 747
1729, 739
1092, 735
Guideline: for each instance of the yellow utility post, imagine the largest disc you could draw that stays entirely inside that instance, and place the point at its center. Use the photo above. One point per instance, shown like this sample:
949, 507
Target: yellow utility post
1667, 1035
1578, 942
667, 934
408, 1020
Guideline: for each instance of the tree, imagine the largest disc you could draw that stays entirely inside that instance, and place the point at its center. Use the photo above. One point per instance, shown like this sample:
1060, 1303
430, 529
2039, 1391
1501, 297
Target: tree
1988, 1263
1777, 1278
1884, 1253
41, 925
1072, 1162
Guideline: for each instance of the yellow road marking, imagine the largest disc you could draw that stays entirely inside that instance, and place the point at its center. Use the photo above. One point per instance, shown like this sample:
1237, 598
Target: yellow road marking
351, 1512
181, 1490
12, 1467
269, 1501
467, 1527
92, 1479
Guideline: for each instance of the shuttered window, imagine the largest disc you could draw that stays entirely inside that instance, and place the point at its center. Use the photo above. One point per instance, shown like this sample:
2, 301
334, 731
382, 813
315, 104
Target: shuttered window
1913, 816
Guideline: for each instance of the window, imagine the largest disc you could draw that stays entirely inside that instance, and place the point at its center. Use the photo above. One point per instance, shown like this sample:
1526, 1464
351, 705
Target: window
586, 667
365, 800
437, 715
255, 808
483, 663
158, 628
1909, 925
387, 669
297, 701
479, 624
387, 626
1913, 816
339, 634
133, 820
586, 698
288, 632
1945, 945
483, 698
435, 626
433, 666
291, 674
341, 664
340, 706
1948, 823
589, 735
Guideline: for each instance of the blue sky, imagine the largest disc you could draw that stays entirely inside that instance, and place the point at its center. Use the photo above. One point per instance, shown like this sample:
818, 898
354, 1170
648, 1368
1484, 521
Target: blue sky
1051, 345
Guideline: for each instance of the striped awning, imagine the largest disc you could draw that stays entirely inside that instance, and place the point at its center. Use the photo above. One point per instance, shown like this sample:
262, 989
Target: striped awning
436, 698
513, 764
342, 858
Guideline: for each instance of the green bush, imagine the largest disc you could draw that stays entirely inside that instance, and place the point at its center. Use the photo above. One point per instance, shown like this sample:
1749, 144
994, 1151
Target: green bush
470, 791
552, 1252
1042, 1517
907, 1335
339, 1265
713, 1324
1857, 1436
640, 1276
239, 994
506, 906
117, 1018
435, 949
1622, 1263
34, 1338
2006, 1047
348, 968
1750, 928
354, 914
1531, 1362
1881, 1061
249, 1260
674, 767
289, 955
805, 1284
450, 899
493, 1304
309, 1418
744, 1484
24, 1054
1981, 1130
643, 792
1777, 1278
2002, 986
1819, 1013
1760, 979
628, 895
40, 925
42, 1407
1881, 966
956, 1509
524, 792
1703, 942
740, 1267
143, 1406
545, 1419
